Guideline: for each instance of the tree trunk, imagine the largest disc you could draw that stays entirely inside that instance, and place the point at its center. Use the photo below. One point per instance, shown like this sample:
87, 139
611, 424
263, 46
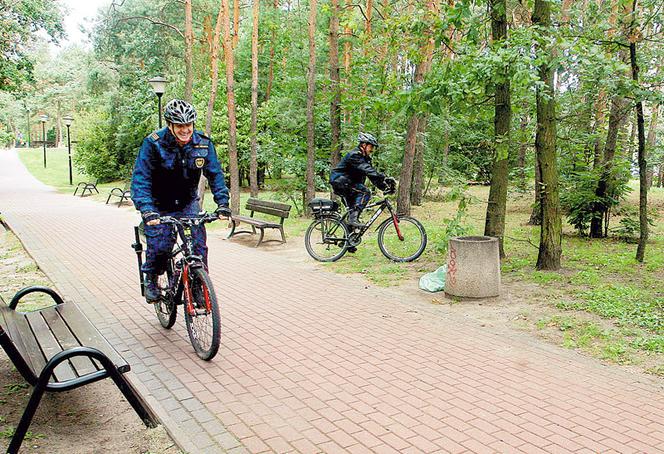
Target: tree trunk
536, 214
417, 191
617, 118
253, 165
214, 64
600, 117
550, 248
421, 69
348, 49
236, 22
495, 212
188, 51
403, 196
523, 148
270, 71
643, 179
311, 91
232, 122
335, 103
651, 141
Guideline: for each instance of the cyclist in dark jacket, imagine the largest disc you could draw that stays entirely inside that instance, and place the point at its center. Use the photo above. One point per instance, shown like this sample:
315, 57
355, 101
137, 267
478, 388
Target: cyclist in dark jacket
165, 183
348, 177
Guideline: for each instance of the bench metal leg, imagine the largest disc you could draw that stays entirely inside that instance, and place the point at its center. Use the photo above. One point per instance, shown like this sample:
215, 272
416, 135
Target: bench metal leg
108, 199
232, 232
26, 419
260, 238
283, 237
133, 399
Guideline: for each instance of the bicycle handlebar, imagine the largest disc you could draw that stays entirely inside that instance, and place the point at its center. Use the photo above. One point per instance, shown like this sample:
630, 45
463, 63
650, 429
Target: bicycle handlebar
204, 218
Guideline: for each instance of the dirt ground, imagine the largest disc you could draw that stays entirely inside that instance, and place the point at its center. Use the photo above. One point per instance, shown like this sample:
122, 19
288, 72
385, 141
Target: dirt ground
91, 419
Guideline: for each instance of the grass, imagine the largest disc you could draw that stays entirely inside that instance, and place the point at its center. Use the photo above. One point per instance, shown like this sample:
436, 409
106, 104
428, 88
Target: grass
600, 278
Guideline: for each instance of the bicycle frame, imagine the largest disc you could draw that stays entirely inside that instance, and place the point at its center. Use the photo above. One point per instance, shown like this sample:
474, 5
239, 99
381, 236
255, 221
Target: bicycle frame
183, 260
383, 204
186, 262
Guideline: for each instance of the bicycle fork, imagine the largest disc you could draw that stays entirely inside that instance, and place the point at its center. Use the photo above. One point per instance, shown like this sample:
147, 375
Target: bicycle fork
395, 221
189, 294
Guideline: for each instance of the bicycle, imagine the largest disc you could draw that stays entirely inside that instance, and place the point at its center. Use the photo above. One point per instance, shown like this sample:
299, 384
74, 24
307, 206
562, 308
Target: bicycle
186, 282
329, 237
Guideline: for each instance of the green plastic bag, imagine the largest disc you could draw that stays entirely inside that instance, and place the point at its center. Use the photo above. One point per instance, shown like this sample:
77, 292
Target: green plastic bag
434, 282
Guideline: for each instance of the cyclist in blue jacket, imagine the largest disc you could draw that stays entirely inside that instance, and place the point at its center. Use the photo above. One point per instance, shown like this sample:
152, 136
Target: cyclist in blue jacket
348, 177
165, 183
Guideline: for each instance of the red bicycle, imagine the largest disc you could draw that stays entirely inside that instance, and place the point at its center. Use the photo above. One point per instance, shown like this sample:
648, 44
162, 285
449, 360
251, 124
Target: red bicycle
186, 282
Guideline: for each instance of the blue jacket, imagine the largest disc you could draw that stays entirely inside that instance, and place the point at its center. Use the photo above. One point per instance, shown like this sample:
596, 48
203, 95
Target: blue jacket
166, 175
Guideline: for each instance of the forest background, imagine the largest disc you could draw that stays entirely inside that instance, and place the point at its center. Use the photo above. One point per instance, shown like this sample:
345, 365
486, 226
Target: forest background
554, 102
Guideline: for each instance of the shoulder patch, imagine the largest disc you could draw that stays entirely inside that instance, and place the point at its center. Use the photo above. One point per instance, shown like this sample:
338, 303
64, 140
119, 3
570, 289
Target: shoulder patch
154, 136
201, 145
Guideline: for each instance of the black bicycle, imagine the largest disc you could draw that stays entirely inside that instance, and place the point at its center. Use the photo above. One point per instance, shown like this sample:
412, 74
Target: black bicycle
186, 282
329, 237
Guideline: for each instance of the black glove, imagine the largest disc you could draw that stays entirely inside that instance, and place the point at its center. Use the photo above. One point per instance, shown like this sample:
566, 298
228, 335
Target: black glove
391, 184
222, 211
149, 216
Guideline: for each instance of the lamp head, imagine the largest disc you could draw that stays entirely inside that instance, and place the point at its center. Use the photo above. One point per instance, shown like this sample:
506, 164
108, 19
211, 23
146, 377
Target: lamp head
158, 84
68, 120
43, 118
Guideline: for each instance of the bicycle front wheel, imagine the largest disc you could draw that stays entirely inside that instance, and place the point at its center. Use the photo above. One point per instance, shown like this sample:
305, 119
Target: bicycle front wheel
201, 312
166, 306
402, 239
326, 239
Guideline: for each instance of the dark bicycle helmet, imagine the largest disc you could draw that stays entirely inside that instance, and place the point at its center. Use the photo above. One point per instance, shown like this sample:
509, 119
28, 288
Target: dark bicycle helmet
179, 112
365, 137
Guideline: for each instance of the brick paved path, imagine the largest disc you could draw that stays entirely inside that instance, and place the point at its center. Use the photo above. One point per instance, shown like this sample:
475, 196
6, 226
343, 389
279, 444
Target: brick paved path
316, 362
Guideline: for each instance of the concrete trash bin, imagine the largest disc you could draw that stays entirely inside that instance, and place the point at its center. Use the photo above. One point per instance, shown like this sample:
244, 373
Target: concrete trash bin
473, 267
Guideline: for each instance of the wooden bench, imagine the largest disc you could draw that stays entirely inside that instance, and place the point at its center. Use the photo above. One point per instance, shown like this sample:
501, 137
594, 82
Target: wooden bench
85, 186
280, 210
123, 193
58, 349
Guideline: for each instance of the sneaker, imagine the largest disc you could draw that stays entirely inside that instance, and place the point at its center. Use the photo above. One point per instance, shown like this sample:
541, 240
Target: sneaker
152, 291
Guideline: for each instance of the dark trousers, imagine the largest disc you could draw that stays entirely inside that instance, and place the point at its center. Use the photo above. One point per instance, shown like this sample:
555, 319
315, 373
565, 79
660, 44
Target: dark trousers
356, 196
161, 239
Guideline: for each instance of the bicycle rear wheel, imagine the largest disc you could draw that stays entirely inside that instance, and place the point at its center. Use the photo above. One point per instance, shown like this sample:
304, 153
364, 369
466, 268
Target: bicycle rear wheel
166, 306
204, 322
402, 239
326, 239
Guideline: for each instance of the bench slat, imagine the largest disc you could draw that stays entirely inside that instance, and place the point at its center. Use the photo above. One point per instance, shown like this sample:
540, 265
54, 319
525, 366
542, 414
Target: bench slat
27, 346
269, 204
268, 210
257, 222
88, 335
82, 364
49, 345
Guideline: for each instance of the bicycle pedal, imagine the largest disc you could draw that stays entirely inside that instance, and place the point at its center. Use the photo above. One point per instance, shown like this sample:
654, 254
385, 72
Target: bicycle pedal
200, 311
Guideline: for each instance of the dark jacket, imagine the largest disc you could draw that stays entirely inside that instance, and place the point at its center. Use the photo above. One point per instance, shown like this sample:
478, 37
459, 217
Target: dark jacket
166, 175
356, 167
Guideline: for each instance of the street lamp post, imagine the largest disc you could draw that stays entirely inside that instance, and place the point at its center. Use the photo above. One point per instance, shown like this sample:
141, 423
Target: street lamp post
159, 87
43, 119
28, 109
68, 119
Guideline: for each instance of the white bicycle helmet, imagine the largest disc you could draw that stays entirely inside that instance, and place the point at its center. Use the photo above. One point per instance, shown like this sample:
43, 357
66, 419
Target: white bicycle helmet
179, 112
365, 137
